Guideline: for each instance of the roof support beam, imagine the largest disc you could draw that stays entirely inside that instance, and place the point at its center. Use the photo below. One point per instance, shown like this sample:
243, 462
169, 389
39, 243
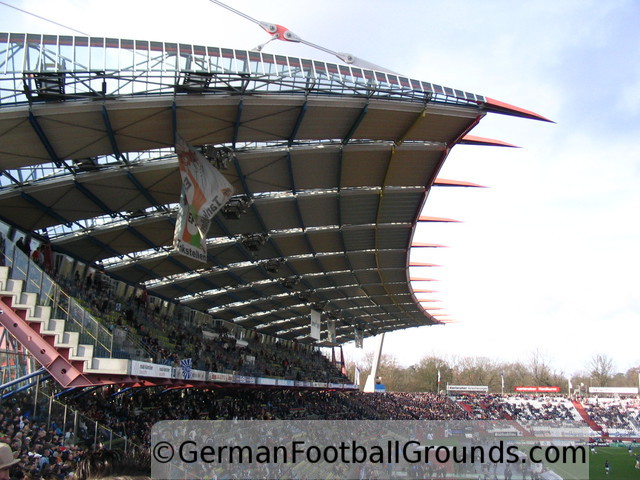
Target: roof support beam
132, 178
296, 126
301, 220
91, 196
356, 124
66, 222
415, 123
174, 121
35, 124
13, 179
48, 210
215, 261
236, 124
245, 186
111, 135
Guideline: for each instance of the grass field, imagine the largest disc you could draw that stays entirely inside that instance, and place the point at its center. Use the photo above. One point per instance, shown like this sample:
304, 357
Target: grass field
622, 465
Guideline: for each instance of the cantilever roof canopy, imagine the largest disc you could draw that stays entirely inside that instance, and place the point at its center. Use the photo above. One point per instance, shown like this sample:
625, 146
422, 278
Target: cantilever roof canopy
336, 163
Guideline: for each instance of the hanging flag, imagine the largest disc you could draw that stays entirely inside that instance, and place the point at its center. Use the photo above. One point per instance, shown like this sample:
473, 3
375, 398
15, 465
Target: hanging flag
358, 338
569, 385
186, 368
438, 377
205, 187
331, 328
356, 375
343, 369
502, 379
204, 193
316, 323
188, 238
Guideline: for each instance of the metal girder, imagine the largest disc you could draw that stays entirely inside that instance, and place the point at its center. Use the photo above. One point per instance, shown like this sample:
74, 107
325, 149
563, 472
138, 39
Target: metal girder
236, 125
296, 126
13, 179
33, 120
356, 124
132, 178
91, 196
111, 134
48, 210
245, 186
174, 121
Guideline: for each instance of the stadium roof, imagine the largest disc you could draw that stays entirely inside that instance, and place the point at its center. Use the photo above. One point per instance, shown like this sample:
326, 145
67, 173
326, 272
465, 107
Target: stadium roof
332, 164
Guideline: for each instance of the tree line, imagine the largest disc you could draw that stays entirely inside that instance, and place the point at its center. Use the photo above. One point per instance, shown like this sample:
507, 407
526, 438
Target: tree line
537, 371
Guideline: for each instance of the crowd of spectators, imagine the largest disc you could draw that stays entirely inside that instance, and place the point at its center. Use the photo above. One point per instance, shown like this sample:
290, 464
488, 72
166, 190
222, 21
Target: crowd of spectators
616, 416
46, 450
482, 406
540, 408
416, 406
168, 339
47, 447
42, 448
518, 407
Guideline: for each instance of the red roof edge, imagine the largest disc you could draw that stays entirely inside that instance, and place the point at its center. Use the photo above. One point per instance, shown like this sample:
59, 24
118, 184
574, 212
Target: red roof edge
497, 106
424, 218
490, 142
444, 182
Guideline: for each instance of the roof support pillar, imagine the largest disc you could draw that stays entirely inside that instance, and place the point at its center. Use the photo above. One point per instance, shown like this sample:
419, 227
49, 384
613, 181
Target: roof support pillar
370, 385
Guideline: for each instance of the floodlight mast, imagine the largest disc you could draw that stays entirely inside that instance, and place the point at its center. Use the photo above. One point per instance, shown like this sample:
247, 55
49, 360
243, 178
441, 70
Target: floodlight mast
278, 32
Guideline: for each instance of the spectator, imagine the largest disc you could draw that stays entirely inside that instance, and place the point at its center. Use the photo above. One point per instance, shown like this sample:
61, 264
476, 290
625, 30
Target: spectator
7, 460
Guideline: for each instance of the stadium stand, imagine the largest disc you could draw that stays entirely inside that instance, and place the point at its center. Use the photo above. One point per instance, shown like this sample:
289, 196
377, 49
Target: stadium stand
50, 444
93, 292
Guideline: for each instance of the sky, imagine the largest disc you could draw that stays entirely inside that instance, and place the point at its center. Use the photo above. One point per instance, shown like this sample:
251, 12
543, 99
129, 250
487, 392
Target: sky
546, 258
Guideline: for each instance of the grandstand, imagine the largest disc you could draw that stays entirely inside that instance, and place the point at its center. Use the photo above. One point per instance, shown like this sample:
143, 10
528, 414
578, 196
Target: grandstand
114, 330
330, 164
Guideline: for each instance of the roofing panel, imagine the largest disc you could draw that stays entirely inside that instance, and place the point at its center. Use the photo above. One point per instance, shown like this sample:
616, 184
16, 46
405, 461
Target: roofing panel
319, 210
315, 168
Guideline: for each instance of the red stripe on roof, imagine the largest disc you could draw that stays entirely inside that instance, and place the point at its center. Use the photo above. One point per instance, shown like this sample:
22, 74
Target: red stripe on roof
424, 218
502, 107
473, 140
443, 182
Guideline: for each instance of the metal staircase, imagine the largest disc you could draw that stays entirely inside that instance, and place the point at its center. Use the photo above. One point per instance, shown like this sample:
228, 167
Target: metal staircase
57, 349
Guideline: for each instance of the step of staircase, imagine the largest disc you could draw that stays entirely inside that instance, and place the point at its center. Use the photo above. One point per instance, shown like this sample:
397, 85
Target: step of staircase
40, 318
4, 276
25, 301
11, 288
115, 366
66, 343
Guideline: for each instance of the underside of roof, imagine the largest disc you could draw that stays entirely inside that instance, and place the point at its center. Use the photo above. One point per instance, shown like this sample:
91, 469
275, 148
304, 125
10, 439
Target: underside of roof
331, 166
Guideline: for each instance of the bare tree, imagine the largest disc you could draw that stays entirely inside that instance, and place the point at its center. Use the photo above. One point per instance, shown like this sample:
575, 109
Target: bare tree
426, 374
540, 369
601, 369
478, 371
516, 374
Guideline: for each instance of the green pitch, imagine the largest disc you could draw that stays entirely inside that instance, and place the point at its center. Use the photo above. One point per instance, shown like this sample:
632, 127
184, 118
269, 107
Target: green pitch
621, 463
